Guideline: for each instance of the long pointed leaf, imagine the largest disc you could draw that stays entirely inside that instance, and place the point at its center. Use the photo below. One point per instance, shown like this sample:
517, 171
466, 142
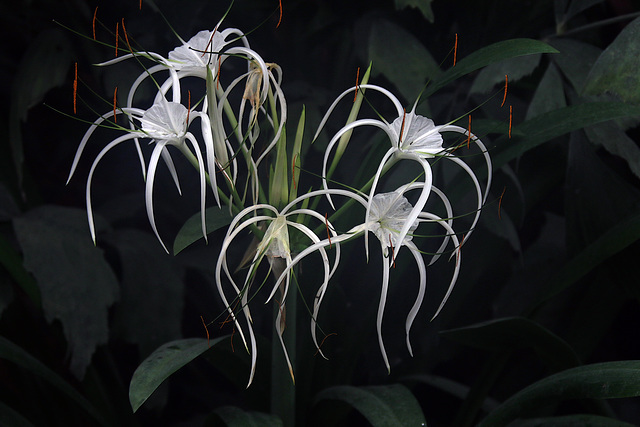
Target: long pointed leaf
547, 126
598, 381
489, 55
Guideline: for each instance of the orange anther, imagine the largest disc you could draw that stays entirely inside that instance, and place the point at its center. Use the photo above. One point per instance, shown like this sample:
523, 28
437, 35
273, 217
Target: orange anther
126, 36
280, 17
117, 37
455, 51
355, 95
95, 13
75, 87
115, 94
506, 83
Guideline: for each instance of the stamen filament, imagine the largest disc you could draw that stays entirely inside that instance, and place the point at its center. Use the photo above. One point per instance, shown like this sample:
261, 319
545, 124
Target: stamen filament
207, 330
500, 202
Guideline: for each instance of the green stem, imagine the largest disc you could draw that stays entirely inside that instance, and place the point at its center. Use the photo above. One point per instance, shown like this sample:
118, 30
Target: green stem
283, 392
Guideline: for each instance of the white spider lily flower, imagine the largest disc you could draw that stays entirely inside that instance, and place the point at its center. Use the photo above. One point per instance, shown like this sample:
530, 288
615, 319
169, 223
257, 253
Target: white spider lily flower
389, 214
275, 245
165, 123
413, 137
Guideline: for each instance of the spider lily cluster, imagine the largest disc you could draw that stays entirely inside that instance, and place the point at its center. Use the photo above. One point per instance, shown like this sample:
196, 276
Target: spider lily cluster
241, 154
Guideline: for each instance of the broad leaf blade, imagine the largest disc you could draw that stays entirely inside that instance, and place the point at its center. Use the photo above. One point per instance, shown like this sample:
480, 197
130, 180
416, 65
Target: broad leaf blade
191, 231
391, 405
616, 70
161, 364
598, 381
76, 283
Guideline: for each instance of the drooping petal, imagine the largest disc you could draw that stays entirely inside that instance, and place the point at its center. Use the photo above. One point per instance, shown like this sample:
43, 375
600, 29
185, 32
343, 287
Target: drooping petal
422, 287
91, 171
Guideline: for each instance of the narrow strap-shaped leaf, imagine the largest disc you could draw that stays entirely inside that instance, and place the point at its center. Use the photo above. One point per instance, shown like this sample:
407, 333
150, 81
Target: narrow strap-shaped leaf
388, 406
598, 381
488, 55
161, 364
610, 243
585, 420
13, 353
547, 126
517, 332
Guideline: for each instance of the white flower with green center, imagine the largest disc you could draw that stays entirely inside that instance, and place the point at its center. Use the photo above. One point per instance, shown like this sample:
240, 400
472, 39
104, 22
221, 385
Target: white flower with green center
164, 124
389, 213
276, 246
412, 137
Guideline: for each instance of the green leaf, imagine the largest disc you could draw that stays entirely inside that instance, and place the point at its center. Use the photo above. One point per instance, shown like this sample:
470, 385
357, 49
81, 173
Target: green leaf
575, 60
515, 68
231, 416
423, 5
517, 332
390, 405
191, 231
45, 65
76, 283
616, 70
400, 57
547, 126
579, 420
486, 56
11, 352
549, 94
450, 387
161, 364
9, 417
620, 236
598, 381
615, 140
